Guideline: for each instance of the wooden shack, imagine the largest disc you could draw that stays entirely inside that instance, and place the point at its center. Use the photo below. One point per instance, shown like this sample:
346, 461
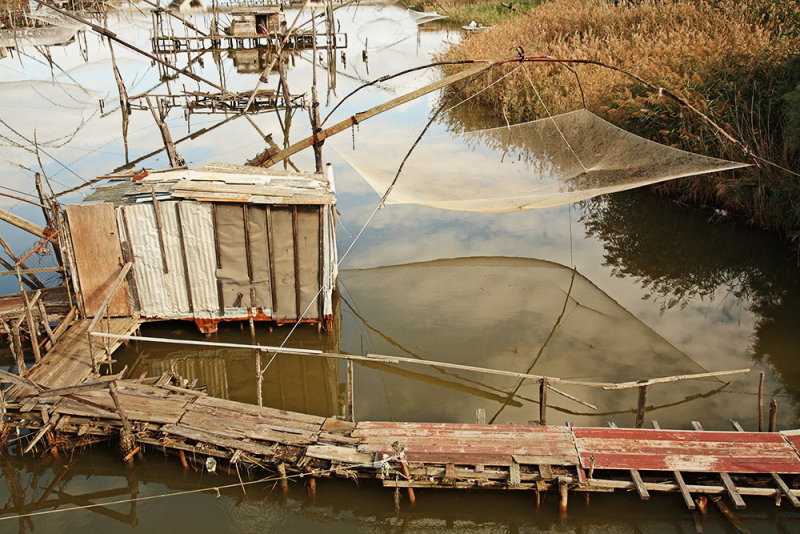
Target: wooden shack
217, 243
257, 20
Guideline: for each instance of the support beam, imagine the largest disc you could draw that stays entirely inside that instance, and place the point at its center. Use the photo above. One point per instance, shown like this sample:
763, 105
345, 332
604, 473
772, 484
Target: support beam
23, 224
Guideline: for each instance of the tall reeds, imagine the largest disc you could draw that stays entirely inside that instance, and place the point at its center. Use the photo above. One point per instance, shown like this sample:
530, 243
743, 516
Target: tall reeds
733, 59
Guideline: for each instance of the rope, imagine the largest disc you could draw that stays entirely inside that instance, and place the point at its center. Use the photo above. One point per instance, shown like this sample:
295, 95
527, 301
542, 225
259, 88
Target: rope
384, 464
527, 75
377, 208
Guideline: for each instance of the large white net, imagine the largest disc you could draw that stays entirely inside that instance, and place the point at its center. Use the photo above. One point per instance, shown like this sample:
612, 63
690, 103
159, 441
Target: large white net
539, 164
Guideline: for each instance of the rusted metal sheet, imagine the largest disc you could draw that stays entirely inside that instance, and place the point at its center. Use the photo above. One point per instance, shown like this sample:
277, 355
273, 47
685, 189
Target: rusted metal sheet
98, 256
676, 450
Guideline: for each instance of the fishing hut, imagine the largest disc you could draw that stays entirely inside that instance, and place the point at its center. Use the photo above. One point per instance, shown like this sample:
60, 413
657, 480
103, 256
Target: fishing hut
217, 243
248, 21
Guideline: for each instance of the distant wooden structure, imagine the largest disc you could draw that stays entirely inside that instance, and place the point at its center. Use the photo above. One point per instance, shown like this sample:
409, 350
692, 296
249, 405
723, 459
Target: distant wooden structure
256, 20
203, 102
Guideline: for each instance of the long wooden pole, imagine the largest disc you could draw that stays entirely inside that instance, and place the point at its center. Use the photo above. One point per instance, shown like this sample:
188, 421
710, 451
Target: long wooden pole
401, 359
364, 115
24, 224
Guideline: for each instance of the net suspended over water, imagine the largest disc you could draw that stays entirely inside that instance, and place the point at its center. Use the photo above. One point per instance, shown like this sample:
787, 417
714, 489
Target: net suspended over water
539, 164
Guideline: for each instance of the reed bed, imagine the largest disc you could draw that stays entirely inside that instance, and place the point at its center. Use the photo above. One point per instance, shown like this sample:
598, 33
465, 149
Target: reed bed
735, 60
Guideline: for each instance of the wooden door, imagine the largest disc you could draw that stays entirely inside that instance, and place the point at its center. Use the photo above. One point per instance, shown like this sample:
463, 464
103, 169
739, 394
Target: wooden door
98, 257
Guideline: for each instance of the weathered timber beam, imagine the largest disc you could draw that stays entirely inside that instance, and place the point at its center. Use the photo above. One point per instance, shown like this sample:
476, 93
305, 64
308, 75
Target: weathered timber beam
364, 115
676, 378
33, 271
23, 224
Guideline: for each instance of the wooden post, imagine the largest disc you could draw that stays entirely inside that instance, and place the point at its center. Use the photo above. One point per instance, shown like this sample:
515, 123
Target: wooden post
312, 485
773, 415
543, 402
175, 160
761, 402
259, 378
641, 406
480, 416
350, 410
43, 313
563, 496
283, 480
32, 326
401, 457
126, 441
18, 349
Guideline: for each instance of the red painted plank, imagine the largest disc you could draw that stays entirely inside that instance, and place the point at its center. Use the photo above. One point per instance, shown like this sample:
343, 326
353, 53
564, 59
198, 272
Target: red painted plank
677, 435
378, 427
692, 463
672, 447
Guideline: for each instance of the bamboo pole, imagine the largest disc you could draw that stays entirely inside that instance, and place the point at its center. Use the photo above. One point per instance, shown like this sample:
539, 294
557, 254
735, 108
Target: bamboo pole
364, 115
432, 363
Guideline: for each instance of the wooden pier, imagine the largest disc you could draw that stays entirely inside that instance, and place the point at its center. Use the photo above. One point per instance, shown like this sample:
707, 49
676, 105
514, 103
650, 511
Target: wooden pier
201, 102
170, 44
63, 404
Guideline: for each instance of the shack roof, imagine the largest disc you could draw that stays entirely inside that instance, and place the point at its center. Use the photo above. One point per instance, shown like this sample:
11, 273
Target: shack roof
219, 182
255, 10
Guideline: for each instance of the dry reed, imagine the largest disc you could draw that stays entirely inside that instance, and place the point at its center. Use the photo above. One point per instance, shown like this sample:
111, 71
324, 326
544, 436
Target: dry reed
730, 58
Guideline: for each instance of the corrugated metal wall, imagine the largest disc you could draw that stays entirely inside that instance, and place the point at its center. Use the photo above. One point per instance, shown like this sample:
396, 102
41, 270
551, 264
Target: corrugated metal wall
228, 260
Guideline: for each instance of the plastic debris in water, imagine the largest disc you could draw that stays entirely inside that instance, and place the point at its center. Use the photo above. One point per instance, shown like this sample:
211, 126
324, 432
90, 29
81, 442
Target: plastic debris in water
211, 465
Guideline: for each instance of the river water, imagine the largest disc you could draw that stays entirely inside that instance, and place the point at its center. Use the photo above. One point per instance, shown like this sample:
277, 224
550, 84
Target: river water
657, 289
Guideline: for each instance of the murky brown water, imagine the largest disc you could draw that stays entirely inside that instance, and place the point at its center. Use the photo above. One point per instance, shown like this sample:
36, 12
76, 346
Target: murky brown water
658, 290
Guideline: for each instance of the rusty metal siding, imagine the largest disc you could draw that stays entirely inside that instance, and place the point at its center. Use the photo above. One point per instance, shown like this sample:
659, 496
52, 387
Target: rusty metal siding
198, 236
180, 279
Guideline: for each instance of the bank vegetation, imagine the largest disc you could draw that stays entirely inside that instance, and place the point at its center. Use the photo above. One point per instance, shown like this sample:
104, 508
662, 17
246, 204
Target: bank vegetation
737, 60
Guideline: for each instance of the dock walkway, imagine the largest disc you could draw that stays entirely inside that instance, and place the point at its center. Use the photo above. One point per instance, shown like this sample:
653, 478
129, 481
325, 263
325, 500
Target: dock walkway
62, 402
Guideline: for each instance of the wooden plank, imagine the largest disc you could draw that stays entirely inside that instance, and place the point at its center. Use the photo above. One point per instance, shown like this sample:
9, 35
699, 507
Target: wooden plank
514, 474
639, 483
338, 454
785, 490
332, 424
218, 440
733, 493
244, 428
98, 256
566, 459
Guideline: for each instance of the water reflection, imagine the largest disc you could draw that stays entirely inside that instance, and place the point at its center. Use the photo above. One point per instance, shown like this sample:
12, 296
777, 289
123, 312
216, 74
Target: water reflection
700, 256
30, 486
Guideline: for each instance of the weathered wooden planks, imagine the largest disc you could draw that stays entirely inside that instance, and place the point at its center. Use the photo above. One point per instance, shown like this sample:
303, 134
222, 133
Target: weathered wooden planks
95, 242
470, 444
69, 363
675, 450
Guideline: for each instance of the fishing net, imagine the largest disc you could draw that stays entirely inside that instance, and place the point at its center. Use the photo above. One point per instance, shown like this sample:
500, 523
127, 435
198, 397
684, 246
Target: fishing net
515, 314
539, 164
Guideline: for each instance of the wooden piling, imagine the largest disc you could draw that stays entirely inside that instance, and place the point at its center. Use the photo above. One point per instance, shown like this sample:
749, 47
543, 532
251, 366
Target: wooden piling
284, 482
350, 414
640, 408
563, 496
126, 439
761, 402
543, 401
259, 379
773, 415
480, 416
